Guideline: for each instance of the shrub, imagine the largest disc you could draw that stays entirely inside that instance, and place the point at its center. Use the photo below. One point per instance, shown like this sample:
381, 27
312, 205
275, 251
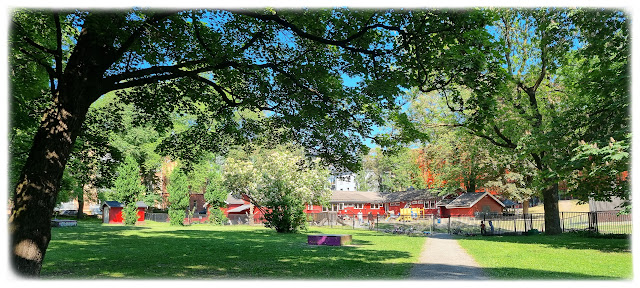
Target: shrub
285, 213
217, 217
130, 213
176, 217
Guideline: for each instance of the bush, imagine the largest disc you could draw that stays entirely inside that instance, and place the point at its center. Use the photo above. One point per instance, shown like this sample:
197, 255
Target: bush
176, 217
286, 214
130, 213
217, 217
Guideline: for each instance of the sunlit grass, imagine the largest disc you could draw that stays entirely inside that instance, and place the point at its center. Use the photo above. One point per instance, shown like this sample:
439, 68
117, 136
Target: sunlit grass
564, 256
157, 250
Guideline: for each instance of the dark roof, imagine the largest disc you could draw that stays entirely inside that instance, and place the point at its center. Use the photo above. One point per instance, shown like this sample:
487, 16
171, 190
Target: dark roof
508, 203
410, 195
467, 200
355, 197
233, 200
112, 204
444, 202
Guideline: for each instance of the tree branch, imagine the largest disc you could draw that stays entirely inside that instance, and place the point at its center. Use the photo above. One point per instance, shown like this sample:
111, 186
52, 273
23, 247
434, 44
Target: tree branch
296, 30
137, 33
503, 137
220, 90
50, 72
33, 43
58, 54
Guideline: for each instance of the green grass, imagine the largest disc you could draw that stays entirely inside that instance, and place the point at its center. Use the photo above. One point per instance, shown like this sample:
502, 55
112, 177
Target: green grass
566, 256
157, 250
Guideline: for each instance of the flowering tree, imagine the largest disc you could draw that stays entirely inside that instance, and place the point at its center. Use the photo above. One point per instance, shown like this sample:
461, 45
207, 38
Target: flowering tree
279, 182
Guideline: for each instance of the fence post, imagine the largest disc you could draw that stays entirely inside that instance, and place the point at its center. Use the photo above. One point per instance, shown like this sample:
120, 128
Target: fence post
595, 221
524, 221
531, 221
449, 225
515, 225
562, 220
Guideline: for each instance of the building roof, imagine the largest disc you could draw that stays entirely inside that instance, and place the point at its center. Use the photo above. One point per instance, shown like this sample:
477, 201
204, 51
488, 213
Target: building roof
410, 195
444, 202
239, 208
233, 200
467, 200
355, 197
139, 204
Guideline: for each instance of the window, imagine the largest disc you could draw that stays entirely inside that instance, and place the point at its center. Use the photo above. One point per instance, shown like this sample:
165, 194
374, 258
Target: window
359, 206
426, 205
420, 201
309, 206
340, 206
414, 202
375, 206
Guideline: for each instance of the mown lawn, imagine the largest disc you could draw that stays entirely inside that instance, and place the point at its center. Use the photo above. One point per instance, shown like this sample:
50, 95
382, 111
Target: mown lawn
567, 256
157, 250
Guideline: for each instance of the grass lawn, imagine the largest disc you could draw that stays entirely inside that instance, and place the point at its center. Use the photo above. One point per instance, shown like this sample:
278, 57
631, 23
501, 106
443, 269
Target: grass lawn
566, 256
157, 250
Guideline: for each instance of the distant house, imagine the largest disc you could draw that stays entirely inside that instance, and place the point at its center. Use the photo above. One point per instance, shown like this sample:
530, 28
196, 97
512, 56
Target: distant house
239, 210
470, 204
345, 181
413, 198
112, 211
353, 202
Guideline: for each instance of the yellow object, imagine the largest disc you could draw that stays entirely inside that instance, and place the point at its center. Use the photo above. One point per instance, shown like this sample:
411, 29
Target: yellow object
407, 214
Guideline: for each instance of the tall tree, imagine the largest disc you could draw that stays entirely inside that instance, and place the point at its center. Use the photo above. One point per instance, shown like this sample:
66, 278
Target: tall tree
522, 99
288, 62
128, 188
94, 158
178, 189
279, 182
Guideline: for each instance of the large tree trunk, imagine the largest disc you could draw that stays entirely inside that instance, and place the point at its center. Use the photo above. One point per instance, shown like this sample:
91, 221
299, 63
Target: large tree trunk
81, 203
37, 189
36, 192
551, 211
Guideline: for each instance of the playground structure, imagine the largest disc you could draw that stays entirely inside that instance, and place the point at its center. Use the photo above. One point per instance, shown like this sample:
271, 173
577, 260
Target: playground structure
408, 214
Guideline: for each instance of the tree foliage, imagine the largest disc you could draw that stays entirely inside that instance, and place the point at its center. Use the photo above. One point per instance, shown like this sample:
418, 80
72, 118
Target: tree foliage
280, 182
178, 190
128, 188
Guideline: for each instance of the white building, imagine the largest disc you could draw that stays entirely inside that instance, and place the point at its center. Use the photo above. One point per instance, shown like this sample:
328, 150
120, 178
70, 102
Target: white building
345, 181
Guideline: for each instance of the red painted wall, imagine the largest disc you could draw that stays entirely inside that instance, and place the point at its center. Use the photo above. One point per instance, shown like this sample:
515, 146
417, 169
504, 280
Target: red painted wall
115, 215
366, 208
485, 201
141, 211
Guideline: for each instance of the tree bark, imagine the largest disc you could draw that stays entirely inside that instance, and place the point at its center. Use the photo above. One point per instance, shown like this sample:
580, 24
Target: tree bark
525, 206
35, 194
551, 210
80, 215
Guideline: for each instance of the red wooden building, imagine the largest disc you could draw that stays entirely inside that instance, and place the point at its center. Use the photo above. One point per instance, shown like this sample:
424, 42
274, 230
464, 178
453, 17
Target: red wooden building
469, 204
414, 198
112, 211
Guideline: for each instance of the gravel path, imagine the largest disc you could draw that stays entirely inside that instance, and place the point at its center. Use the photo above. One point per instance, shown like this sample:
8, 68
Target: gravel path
442, 258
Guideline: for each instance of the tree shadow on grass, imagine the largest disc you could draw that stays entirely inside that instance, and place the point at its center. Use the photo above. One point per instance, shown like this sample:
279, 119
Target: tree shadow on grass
568, 241
98, 252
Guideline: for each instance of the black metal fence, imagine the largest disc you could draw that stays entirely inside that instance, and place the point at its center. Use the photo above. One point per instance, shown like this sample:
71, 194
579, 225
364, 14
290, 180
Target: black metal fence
157, 217
496, 224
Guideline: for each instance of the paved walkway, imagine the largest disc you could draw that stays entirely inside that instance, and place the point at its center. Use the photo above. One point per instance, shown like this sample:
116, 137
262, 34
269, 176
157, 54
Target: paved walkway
442, 258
